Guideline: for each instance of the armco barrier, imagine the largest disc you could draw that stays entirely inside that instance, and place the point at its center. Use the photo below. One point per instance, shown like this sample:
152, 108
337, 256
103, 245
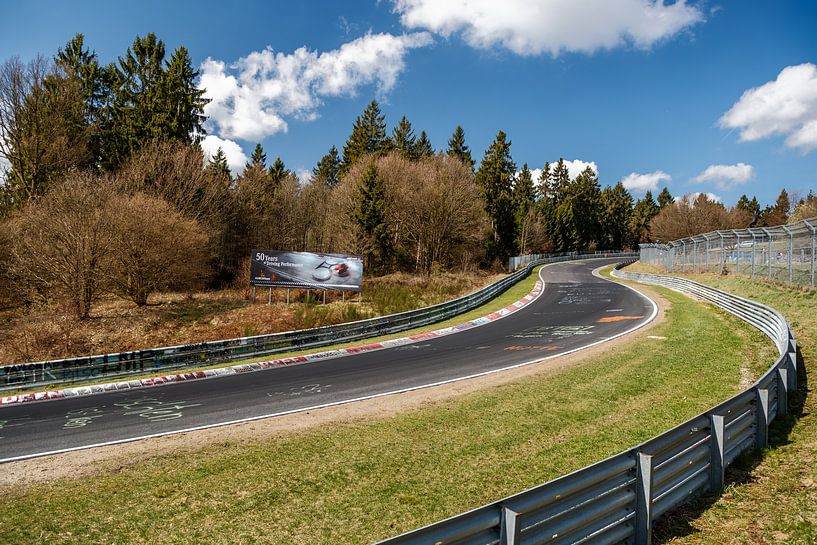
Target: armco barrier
65, 371
617, 500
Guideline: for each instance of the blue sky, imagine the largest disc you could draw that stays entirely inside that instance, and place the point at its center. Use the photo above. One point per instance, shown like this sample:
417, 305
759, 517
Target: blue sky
707, 96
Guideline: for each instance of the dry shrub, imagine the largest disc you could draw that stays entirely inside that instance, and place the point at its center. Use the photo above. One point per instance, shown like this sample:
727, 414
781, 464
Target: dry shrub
175, 172
154, 248
60, 242
687, 217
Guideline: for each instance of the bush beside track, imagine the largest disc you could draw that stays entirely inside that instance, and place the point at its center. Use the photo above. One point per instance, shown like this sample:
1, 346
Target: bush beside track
371, 479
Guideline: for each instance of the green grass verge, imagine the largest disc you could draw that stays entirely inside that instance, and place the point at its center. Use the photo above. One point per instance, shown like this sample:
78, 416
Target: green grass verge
361, 481
514, 293
771, 499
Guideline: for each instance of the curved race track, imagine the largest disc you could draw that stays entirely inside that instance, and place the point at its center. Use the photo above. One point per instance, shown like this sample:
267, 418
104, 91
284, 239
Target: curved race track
575, 310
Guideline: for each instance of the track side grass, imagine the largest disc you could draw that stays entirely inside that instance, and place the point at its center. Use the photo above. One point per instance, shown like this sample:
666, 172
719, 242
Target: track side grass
772, 499
369, 479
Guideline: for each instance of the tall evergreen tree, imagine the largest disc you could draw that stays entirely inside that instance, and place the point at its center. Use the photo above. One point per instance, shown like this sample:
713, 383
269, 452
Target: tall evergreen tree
665, 198
495, 180
458, 148
579, 212
644, 211
616, 208
403, 139
78, 61
258, 158
184, 101
542, 182
327, 171
368, 136
370, 215
218, 165
424, 147
524, 200
151, 100
278, 171
559, 181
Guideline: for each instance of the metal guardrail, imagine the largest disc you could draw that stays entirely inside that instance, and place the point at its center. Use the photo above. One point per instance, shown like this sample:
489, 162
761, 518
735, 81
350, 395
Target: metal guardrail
786, 253
71, 370
518, 261
617, 500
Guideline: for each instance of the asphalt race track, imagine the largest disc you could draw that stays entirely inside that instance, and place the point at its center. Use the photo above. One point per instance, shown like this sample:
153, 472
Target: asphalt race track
576, 309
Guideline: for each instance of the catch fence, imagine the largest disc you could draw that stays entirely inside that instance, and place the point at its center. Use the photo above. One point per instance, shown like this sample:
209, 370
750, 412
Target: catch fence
785, 253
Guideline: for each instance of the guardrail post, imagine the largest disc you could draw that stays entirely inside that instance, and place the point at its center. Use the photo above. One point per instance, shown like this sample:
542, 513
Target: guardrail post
761, 418
510, 531
792, 371
716, 450
643, 500
782, 391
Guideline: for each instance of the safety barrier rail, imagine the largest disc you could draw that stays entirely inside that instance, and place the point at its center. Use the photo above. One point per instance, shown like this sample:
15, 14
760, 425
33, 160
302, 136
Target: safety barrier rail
617, 500
64, 371
518, 261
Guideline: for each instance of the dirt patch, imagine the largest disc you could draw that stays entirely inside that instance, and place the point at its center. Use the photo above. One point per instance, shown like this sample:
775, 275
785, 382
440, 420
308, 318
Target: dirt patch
112, 459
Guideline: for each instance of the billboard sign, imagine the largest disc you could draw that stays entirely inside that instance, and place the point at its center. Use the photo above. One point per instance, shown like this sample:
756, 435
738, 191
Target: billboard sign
306, 270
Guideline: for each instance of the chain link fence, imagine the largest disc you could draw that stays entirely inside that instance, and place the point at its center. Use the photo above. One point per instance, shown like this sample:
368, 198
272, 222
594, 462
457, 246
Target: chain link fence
785, 253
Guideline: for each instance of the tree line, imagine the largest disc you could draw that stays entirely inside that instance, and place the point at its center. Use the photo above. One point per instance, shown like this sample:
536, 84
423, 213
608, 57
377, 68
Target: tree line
108, 191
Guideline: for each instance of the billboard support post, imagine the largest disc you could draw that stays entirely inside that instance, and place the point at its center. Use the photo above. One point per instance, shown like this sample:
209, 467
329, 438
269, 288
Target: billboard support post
324, 297
287, 295
269, 297
253, 294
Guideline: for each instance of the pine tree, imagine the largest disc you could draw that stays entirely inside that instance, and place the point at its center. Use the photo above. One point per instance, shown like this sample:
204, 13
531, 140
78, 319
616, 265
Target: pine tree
542, 183
559, 180
327, 171
278, 171
403, 139
258, 158
368, 136
457, 148
616, 207
665, 198
370, 215
218, 165
644, 211
524, 199
579, 212
495, 180
183, 100
150, 100
424, 147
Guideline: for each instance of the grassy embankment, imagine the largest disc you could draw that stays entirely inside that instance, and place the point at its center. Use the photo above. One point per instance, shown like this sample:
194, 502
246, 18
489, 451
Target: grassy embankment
367, 479
772, 499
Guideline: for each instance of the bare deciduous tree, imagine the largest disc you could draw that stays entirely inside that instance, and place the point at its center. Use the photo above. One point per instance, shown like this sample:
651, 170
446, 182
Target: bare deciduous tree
59, 243
153, 248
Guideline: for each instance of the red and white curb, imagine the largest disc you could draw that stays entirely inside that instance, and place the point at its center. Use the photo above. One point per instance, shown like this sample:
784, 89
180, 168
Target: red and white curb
281, 362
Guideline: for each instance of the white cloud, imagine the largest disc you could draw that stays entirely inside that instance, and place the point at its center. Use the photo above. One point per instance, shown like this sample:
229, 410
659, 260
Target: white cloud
786, 106
236, 158
641, 183
533, 27
252, 98
574, 168
726, 176
303, 175
577, 166
689, 198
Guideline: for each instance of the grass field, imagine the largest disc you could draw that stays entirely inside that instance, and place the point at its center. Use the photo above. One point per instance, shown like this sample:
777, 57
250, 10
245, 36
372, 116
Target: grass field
772, 499
361, 481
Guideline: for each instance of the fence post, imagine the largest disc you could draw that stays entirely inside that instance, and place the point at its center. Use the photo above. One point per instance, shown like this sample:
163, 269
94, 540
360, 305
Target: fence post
791, 253
716, 450
643, 505
754, 245
813, 244
510, 530
782, 391
770, 254
761, 418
